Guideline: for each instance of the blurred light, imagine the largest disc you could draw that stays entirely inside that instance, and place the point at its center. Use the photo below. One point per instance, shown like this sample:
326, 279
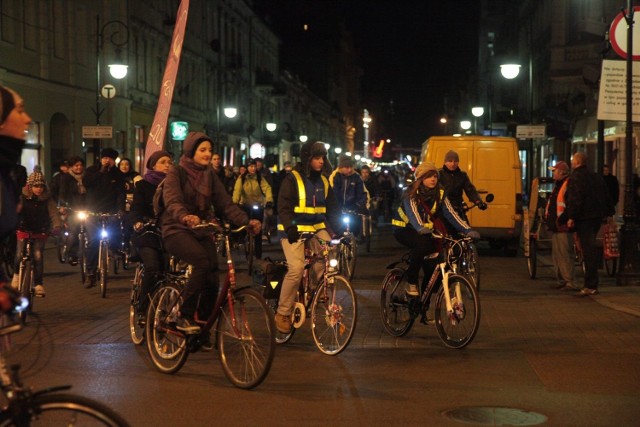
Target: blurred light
271, 126
477, 111
303, 138
230, 112
118, 71
338, 150
510, 71
465, 124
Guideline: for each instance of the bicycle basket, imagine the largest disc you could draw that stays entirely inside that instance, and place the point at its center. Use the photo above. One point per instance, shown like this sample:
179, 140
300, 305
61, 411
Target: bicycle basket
267, 276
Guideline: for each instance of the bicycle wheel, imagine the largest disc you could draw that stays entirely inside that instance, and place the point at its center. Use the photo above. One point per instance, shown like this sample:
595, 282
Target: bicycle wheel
457, 329
82, 256
166, 345
334, 315
249, 251
394, 304
369, 231
62, 248
136, 321
58, 409
532, 261
103, 267
347, 257
246, 339
25, 283
611, 265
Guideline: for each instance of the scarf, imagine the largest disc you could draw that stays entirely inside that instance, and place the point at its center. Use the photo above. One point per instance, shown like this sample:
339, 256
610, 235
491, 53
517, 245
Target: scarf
78, 178
200, 179
154, 177
429, 195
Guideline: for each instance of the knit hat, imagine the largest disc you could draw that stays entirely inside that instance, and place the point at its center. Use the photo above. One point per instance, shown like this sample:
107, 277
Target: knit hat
7, 102
451, 156
345, 162
109, 152
252, 162
424, 168
192, 141
562, 166
153, 159
36, 178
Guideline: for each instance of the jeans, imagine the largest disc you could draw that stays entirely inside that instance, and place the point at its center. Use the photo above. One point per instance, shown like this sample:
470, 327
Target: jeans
37, 248
563, 257
420, 245
200, 253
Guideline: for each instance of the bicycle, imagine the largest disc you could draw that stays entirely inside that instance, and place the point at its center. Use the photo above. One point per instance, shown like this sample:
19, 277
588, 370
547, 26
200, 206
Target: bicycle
62, 239
244, 326
104, 253
25, 273
348, 251
457, 307
83, 244
25, 406
330, 303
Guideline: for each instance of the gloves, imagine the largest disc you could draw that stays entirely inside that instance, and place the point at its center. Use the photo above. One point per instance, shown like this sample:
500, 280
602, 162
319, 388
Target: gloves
482, 206
473, 234
292, 234
424, 231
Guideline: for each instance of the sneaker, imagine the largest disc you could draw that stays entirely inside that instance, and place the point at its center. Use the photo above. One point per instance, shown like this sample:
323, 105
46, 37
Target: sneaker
283, 323
15, 284
585, 292
39, 290
90, 282
188, 326
412, 290
73, 261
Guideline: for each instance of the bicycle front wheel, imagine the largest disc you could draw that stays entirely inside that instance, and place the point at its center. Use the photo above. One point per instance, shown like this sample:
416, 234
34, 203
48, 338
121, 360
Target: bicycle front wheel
136, 321
103, 268
166, 345
472, 265
25, 284
246, 335
394, 303
62, 248
250, 250
82, 257
64, 410
333, 315
458, 328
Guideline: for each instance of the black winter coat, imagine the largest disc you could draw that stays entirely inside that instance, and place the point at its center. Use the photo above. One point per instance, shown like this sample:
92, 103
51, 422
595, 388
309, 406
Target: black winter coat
454, 183
105, 190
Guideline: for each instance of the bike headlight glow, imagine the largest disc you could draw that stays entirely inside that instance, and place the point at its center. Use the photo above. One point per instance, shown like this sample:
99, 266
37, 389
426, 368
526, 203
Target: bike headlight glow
333, 263
256, 207
346, 219
24, 303
104, 234
335, 241
82, 215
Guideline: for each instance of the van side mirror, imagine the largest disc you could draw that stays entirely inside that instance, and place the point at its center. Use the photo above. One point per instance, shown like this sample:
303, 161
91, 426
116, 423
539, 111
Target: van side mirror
489, 198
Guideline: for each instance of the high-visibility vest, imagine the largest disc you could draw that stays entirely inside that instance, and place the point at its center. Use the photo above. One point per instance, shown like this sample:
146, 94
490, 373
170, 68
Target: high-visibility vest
310, 214
561, 203
402, 220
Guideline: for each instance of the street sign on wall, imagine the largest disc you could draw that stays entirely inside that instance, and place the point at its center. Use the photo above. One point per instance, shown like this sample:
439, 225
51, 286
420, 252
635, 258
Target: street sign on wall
612, 98
97, 132
530, 131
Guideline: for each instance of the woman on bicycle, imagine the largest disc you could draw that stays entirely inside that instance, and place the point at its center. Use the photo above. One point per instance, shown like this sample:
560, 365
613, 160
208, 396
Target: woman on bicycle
425, 208
189, 202
38, 213
149, 245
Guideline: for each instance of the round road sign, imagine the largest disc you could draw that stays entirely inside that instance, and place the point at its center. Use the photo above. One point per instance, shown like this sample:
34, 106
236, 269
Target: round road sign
108, 91
618, 35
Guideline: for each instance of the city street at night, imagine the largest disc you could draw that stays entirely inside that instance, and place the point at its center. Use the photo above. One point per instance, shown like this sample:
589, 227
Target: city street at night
541, 357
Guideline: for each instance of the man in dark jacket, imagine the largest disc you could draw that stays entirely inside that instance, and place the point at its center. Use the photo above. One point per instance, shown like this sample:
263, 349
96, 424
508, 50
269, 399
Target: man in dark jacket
106, 193
585, 215
455, 181
613, 186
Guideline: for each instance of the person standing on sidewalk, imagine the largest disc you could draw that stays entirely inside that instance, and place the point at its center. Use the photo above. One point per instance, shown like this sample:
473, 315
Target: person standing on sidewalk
561, 236
587, 205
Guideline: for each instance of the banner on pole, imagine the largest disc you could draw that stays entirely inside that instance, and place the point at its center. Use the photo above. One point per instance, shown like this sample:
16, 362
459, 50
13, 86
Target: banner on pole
159, 127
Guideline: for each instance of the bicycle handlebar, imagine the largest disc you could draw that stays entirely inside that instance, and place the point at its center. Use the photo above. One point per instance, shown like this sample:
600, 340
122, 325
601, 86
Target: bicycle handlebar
215, 227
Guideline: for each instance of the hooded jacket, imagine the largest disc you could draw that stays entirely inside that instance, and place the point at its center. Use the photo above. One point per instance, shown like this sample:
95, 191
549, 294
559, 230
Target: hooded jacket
454, 183
38, 213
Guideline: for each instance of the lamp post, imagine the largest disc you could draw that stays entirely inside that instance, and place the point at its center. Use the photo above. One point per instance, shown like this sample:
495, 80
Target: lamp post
366, 120
118, 70
465, 125
477, 112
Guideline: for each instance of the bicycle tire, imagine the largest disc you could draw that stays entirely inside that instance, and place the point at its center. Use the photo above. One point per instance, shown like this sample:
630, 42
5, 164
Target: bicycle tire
611, 265
334, 315
246, 348
352, 256
367, 238
472, 265
82, 256
25, 284
457, 330
136, 324
166, 346
62, 248
250, 251
394, 304
532, 260
64, 409
103, 268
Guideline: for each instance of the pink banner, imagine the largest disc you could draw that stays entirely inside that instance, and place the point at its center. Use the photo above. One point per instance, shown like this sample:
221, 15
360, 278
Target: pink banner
159, 128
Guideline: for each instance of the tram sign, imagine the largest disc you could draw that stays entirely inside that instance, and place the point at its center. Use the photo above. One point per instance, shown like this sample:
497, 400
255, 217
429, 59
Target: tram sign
530, 131
97, 132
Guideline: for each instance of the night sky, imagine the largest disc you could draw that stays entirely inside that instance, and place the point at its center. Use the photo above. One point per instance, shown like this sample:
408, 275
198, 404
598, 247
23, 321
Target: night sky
411, 52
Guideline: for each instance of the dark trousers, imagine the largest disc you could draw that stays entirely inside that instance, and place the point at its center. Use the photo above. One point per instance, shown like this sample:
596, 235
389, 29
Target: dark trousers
420, 245
37, 250
153, 261
257, 239
200, 253
587, 230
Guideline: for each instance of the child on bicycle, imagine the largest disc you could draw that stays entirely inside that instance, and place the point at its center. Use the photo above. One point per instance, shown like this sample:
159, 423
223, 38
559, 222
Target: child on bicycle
424, 209
37, 215
188, 204
305, 203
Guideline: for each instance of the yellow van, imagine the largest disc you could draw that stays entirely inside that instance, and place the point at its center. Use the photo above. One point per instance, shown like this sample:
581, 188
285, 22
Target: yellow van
493, 165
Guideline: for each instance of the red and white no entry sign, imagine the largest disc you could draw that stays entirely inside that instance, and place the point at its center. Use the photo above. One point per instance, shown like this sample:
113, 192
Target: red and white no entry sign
618, 35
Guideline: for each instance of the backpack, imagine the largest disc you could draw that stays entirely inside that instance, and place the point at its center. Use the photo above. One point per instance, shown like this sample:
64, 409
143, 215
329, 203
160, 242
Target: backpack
158, 200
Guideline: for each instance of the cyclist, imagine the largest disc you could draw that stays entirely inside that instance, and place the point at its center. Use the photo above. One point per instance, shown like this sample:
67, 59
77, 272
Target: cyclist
105, 185
73, 194
455, 181
149, 245
305, 203
423, 209
187, 204
38, 213
349, 190
253, 193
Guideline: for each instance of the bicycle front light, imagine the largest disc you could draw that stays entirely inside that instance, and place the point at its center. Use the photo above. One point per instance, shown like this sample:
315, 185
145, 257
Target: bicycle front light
22, 306
335, 242
256, 207
333, 263
104, 234
346, 219
82, 215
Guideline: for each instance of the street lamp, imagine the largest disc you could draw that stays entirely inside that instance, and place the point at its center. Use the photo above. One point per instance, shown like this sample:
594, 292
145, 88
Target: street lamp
477, 112
366, 120
510, 71
119, 38
465, 124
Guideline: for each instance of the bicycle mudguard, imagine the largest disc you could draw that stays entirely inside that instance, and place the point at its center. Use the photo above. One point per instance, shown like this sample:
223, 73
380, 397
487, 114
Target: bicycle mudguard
53, 389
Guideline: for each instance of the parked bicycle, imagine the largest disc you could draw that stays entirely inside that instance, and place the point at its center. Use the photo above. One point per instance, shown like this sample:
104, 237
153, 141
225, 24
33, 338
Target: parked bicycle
457, 305
48, 407
329, 301
244, 326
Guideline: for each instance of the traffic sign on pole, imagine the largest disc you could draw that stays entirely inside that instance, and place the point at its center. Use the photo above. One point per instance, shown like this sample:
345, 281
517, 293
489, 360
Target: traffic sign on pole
97, 132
